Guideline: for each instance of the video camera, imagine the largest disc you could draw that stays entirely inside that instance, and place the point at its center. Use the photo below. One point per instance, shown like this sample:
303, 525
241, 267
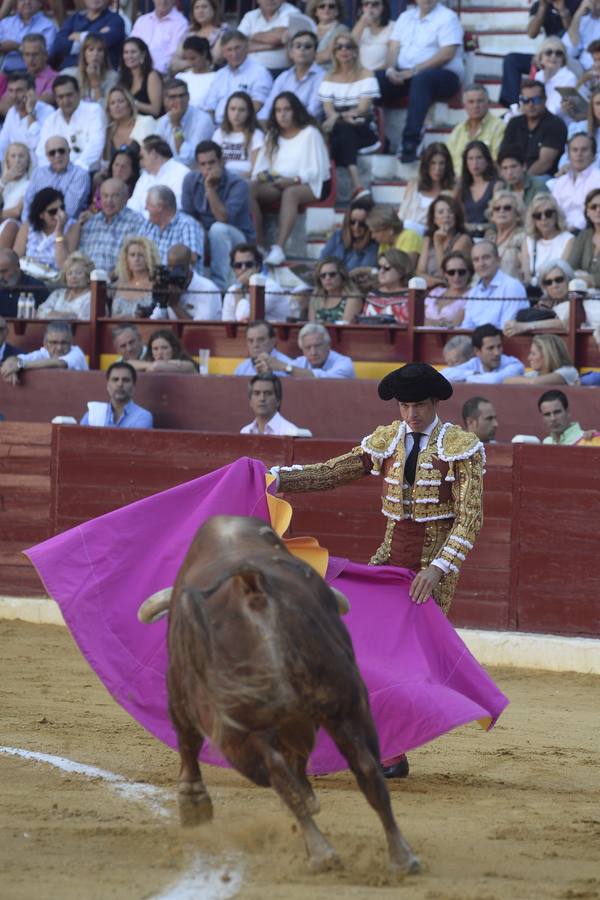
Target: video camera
166, 280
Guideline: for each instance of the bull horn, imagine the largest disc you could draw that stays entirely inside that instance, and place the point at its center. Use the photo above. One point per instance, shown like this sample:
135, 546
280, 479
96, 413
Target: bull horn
342, 602
155, 606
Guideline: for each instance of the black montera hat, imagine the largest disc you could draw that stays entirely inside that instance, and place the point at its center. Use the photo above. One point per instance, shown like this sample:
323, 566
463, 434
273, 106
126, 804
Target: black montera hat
414, 382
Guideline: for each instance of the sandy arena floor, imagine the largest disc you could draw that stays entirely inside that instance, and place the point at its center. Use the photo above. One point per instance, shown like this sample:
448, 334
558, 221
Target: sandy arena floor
510, 814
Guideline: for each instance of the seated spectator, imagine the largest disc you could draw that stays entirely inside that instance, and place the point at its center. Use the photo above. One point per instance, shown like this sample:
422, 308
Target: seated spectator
120, 411
292, 169
94, 71
353, 243
126, 129
265, 393
389, 232
318, 359
57, 352
553, 72
590, 80
220, 201
445, 304
183, 126
547, 237
240, 73
302, 78
73, 300
347, 93
205, 25
495, 297
136, 73
590, 126
128, 344
480, 125
62, 175
584, 28
538, 134
198, 71
515, 177
579, 292
436, 176
336, 298
6, 349
476, 186
94, 18
34, 51
81, 123
28, 19
165, 354
198, 298
457, 350
261, 340
162, 30
549, 362
125, 166
16, 173
488, 365
554, 407
583, 253
551, 309
479, 417
445, 232
102, 234
424, 61
390, 297
166, 226
159, 168
13, 283
239, 135
581, 176
267, 31
48, 235
25, 115
372, 32
246, 261
505, 215
136, 267
328, 17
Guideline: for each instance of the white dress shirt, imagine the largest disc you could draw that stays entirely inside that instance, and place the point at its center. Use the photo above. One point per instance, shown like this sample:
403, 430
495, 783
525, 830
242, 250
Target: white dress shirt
421, 38
74, 359
276, 425
250, 77
204, 306
85, 133
570, 193
19, 128
277, 304
494, 303
171, 174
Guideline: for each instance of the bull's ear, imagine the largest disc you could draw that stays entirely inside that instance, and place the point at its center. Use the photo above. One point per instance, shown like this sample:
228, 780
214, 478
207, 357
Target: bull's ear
252, 585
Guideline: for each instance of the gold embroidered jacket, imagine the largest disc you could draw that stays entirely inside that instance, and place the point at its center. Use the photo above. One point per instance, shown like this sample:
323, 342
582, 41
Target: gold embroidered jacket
446, 496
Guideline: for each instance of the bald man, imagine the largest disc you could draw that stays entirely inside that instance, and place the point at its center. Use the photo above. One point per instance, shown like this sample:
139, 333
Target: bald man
102, 234
13, 283
61, 174
200, 298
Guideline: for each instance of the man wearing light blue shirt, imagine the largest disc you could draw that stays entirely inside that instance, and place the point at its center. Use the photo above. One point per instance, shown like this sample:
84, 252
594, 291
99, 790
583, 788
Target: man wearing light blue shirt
260, 340
121, 411
183, 126
495, 297
240, 74
302, 79
28, 20
489, 365
319, 360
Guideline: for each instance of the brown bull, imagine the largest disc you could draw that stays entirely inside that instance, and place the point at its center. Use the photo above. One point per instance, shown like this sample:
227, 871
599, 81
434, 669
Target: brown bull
258, 661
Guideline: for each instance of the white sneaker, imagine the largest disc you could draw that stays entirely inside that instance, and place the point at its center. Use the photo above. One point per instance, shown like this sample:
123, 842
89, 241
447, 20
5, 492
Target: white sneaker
276, 256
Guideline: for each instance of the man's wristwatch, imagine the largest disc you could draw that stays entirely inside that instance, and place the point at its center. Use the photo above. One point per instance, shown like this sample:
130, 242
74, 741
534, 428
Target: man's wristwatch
289, 369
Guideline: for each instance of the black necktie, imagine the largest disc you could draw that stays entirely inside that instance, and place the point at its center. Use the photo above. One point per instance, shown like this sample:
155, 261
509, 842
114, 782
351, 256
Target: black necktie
410, 466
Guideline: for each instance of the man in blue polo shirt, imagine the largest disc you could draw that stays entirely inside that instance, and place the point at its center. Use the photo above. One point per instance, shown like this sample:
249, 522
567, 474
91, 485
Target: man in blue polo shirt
121, 411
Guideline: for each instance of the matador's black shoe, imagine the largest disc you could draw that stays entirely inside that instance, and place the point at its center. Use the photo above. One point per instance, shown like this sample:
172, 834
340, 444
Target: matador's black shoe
399, 769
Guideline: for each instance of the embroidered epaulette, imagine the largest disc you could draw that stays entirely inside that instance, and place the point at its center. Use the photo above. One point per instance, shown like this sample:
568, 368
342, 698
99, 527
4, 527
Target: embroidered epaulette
453, 443
383, 441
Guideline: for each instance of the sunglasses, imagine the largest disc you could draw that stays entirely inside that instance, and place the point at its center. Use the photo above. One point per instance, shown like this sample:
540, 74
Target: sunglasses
246, 264
537, 101
543, 214
560, 279
57, 151
358, 223
384, 268
456, 271
302, 46
553, 53
329, 274
54, 211
508, 207
344, 47
327, 6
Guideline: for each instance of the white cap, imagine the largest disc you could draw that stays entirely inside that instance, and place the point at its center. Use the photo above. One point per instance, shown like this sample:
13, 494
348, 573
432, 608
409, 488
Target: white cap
579, 285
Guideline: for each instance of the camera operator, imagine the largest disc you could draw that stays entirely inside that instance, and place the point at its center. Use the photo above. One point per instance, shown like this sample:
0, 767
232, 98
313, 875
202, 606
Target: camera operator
180, 293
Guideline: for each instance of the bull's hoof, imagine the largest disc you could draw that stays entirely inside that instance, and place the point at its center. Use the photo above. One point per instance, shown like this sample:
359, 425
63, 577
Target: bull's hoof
411, 865
325, 861
313, 804
195, 805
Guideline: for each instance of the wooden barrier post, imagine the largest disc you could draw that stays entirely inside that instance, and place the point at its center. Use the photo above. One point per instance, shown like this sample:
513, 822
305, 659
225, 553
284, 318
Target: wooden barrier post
417, 288
257, 297
98, 280
576, 316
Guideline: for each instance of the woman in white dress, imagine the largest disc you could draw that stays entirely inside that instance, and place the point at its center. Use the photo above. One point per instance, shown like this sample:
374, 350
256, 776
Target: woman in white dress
239, 135
73, 300
547, 237
372, 32
16, 172
553, 73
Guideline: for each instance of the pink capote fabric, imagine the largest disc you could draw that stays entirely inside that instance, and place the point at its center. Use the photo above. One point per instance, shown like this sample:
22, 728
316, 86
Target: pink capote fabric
421, 678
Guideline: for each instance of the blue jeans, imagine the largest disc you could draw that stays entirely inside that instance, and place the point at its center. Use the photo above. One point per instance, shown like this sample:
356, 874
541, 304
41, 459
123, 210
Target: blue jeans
514, 67
222, 238
591, 379
424, 89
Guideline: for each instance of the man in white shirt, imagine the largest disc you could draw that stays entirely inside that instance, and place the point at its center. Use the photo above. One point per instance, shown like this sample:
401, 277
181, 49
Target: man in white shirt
58, 352
162, 31
183, 126
424, 60
240, 74
582, 176
318, 360
24, 119
267, 28
82, 124
495, 297
200, 298
265, 395
302, 79
159, 167
246, 261
489, 365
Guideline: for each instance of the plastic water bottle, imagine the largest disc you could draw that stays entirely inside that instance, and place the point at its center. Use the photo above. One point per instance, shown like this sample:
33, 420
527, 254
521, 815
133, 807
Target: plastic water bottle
30, 307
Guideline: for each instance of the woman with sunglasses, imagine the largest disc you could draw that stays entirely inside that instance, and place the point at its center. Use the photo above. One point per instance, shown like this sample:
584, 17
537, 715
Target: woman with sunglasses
336, 297
549, 362
445, 304
347, 94
584, 253
353, 243
328, 16
547, 237
551, 310
372, 32
445, 232
126, 127
137, 74
390, 297
239, 135
476, 186
48, 236
505, 213
436, 175
553, 73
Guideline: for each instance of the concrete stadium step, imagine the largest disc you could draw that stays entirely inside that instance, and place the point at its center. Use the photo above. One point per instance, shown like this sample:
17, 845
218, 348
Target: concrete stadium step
490, 18
487, 65
388, 192
314, 248
321, 220
498, 4
503, 42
